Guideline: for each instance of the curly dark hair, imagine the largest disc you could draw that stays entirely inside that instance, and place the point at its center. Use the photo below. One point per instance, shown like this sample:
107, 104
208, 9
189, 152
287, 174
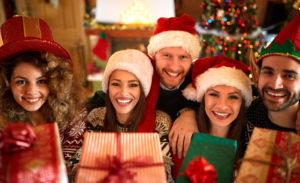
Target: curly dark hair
65, 92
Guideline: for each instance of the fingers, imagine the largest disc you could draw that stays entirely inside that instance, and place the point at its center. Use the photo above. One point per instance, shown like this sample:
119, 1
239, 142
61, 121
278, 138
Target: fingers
173, 143
180, 146
187, 141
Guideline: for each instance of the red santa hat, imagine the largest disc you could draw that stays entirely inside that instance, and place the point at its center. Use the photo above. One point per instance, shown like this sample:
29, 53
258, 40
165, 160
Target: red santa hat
133, 61
218, 70
175, 32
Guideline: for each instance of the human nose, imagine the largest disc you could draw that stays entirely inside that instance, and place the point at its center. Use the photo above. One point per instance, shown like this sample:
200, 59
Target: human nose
124, 90
174, 64
276, 82
222, 103
31, 88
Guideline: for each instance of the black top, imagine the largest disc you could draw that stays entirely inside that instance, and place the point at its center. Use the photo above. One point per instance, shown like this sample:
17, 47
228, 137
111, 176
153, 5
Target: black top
257, 116
172, 101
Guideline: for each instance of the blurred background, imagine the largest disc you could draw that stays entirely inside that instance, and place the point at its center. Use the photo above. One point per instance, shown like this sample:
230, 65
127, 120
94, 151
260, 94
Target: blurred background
91, 30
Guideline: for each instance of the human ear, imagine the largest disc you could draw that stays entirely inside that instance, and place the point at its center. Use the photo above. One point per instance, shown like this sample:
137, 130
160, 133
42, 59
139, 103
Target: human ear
254, 67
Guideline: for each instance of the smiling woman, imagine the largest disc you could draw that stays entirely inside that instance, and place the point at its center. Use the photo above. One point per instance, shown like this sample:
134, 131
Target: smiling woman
37, 84
127, 81
222, 86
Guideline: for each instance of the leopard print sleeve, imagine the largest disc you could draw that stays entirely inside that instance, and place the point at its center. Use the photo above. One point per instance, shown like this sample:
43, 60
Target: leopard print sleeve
95, 119
162, 127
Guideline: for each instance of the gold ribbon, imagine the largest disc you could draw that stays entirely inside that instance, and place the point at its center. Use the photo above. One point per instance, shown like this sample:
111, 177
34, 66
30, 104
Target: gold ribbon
31, 27
287, 168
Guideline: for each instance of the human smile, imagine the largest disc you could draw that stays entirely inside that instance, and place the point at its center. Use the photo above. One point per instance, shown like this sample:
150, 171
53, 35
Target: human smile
124, 101
31, 100
276, 94
221, 114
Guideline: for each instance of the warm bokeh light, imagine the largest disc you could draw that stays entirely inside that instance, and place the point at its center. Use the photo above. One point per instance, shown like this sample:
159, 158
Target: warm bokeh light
136, 14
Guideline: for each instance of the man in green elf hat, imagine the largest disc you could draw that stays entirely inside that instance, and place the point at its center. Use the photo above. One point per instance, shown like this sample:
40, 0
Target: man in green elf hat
276, 74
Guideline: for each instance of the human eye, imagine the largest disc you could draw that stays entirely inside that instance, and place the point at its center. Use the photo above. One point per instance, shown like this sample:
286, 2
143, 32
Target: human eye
290, 76
166, 55
183, 57
20, 82
114, 84
42, 81
233, 97
213, 94
133, 85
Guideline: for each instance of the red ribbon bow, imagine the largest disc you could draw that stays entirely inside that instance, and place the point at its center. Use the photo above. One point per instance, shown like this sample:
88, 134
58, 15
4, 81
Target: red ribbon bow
200, 171
118, 169
16, 137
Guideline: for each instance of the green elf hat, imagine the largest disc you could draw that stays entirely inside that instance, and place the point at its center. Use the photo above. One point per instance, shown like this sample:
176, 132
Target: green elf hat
286, 43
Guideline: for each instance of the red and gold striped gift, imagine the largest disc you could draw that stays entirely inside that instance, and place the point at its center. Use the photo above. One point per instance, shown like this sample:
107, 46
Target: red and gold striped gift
272, 156
128, 157
42, 162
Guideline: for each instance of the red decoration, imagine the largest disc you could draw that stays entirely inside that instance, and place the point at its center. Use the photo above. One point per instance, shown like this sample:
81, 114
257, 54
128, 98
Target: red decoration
100, 50
200, 171
16, 137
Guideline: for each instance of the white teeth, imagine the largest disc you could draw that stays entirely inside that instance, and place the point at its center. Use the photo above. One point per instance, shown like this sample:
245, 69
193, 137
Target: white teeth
275, 94
32, 100
173, 74
124, 101
222, 114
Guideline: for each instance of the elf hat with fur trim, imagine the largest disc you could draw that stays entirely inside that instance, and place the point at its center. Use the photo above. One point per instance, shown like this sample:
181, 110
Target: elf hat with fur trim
133, 61
21, 34
286, 43
175, 32
218, 70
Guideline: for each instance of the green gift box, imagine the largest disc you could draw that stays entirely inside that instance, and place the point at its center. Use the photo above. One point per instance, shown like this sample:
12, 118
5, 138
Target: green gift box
219, 152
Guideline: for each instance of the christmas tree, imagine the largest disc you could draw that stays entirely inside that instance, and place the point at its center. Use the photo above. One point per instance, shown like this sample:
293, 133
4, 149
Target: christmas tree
230, 28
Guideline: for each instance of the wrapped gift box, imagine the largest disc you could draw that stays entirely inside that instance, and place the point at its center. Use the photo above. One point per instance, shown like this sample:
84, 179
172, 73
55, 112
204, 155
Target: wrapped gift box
140, 151
266, 157
42, 162
219, 152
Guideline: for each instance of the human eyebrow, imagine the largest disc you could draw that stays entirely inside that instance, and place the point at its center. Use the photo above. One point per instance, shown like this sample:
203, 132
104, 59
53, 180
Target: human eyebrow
286, 71
131, 81
19, 77
267, 68
212, 90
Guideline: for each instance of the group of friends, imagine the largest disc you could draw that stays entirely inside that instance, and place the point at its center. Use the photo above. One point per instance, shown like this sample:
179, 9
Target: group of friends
169, 90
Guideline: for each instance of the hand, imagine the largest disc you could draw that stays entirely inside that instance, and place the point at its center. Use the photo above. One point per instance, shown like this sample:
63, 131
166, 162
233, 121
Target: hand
181, 132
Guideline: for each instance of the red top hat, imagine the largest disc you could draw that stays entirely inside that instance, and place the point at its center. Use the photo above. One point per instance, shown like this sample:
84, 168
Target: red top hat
25, 34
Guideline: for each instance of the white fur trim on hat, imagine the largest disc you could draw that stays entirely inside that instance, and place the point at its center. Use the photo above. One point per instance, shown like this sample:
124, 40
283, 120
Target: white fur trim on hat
228, 76
189, 42
133, 61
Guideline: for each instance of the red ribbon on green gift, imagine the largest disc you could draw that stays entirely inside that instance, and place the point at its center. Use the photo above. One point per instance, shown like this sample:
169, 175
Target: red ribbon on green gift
16, 137
118, 169
200, 171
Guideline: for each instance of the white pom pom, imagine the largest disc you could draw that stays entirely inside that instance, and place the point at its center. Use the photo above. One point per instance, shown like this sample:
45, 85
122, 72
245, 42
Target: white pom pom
190, 93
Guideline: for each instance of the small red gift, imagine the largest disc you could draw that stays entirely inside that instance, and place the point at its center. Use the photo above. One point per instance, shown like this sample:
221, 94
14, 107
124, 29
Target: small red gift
272, 156
31, 154
121, 157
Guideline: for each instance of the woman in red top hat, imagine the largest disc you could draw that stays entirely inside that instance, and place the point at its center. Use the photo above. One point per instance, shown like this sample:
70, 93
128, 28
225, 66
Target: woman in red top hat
37, 84
222, 86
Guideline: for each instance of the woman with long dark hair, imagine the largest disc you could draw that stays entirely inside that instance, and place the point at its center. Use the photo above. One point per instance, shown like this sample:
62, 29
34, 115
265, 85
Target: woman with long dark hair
127, 81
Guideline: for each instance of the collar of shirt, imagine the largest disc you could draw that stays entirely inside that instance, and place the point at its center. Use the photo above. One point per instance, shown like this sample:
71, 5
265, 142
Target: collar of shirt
168, 89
